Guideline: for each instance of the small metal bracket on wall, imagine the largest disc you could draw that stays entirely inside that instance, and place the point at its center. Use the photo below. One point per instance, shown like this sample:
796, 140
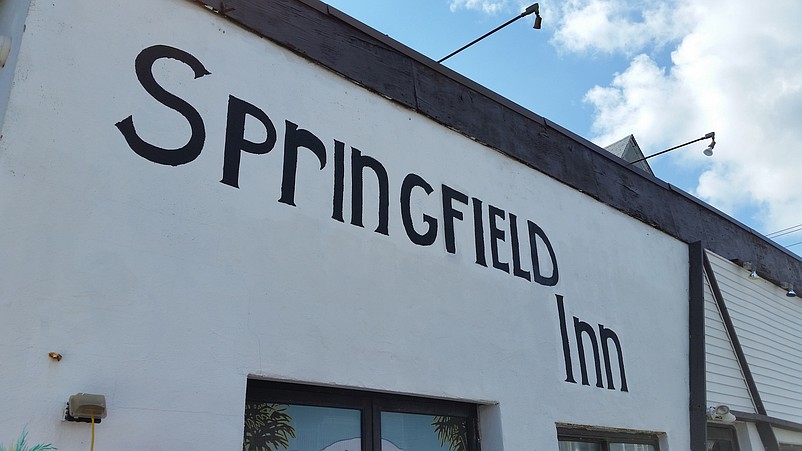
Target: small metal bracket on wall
223, 10
68, 417
218, 7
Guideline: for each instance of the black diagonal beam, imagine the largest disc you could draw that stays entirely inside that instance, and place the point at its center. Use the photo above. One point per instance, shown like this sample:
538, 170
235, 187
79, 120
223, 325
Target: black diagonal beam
764, 429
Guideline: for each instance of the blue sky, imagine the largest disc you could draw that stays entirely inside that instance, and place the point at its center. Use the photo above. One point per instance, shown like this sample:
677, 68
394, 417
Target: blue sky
667, 72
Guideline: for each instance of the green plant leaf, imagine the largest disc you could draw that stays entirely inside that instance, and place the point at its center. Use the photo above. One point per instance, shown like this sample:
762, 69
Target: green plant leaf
21, 445
452, 430
268, 427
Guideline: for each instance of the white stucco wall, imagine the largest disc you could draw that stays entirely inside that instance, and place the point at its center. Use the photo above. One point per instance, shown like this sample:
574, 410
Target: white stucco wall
12, 20
164, 289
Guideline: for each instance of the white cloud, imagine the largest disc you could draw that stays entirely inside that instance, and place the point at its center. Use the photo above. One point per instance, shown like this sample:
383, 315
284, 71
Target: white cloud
735, 70
636, 103
486, 6
489, 6
610, 26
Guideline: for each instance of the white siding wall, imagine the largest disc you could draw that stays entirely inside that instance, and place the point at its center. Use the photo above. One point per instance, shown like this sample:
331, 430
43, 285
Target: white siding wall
748, 437
787, 437
725, 381
769, 327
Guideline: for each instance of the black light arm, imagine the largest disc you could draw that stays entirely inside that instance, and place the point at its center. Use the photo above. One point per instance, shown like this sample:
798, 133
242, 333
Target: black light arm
532, 9
711, 135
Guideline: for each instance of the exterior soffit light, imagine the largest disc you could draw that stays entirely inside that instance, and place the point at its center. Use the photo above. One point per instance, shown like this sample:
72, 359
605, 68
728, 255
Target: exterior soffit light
720, 414
533, 9
708, 151
752, 273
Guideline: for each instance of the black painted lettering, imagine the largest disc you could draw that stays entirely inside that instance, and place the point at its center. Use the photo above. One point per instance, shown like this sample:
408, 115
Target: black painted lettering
496, 235
236, 143
516, 250
294, 139
427, 238
449, 214
339, 181
569, 369
534, 232
582, 332
579, 328
358, 163
606, 334
479, 233
144, 72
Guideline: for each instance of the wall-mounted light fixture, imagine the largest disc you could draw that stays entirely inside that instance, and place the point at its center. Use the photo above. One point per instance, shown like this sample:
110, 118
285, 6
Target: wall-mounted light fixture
708, 151
791, 293
534, 9
5, 50
752, 273
720, 414
538, 19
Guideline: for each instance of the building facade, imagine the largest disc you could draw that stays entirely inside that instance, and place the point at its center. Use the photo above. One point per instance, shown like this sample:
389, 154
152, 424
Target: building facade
268, 226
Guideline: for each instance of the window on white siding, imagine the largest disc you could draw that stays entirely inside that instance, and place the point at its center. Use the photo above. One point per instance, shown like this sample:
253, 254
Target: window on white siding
721, 438
293, 417
578, 439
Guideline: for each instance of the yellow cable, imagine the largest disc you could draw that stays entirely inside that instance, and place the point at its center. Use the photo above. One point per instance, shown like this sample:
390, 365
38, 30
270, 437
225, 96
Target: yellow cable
92, 444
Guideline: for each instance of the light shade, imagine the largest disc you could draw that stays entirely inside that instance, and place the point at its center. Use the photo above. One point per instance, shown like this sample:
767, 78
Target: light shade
791, 293
535, 8
752, 273
709, 150
720, 414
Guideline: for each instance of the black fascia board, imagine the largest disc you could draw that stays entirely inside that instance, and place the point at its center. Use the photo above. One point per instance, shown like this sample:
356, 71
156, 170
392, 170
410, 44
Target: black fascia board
340, 43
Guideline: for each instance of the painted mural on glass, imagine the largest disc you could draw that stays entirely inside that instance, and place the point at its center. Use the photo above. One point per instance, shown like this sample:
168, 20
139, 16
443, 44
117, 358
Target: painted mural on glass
268, 427
413, 432
283, 427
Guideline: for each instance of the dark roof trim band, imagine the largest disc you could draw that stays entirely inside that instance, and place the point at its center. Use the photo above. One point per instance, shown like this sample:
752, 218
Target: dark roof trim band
361, 54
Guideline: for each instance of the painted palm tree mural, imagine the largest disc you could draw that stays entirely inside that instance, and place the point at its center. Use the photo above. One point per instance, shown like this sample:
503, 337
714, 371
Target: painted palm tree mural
289, 427
452, 430
22, 445
268, 427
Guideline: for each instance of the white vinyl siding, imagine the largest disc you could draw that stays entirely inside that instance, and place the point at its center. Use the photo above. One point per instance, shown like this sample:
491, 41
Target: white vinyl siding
725, 381
788, 438
769, 327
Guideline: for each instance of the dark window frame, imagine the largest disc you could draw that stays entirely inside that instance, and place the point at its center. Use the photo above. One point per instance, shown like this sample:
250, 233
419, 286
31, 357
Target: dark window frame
370, 404
723, 429
604, 437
